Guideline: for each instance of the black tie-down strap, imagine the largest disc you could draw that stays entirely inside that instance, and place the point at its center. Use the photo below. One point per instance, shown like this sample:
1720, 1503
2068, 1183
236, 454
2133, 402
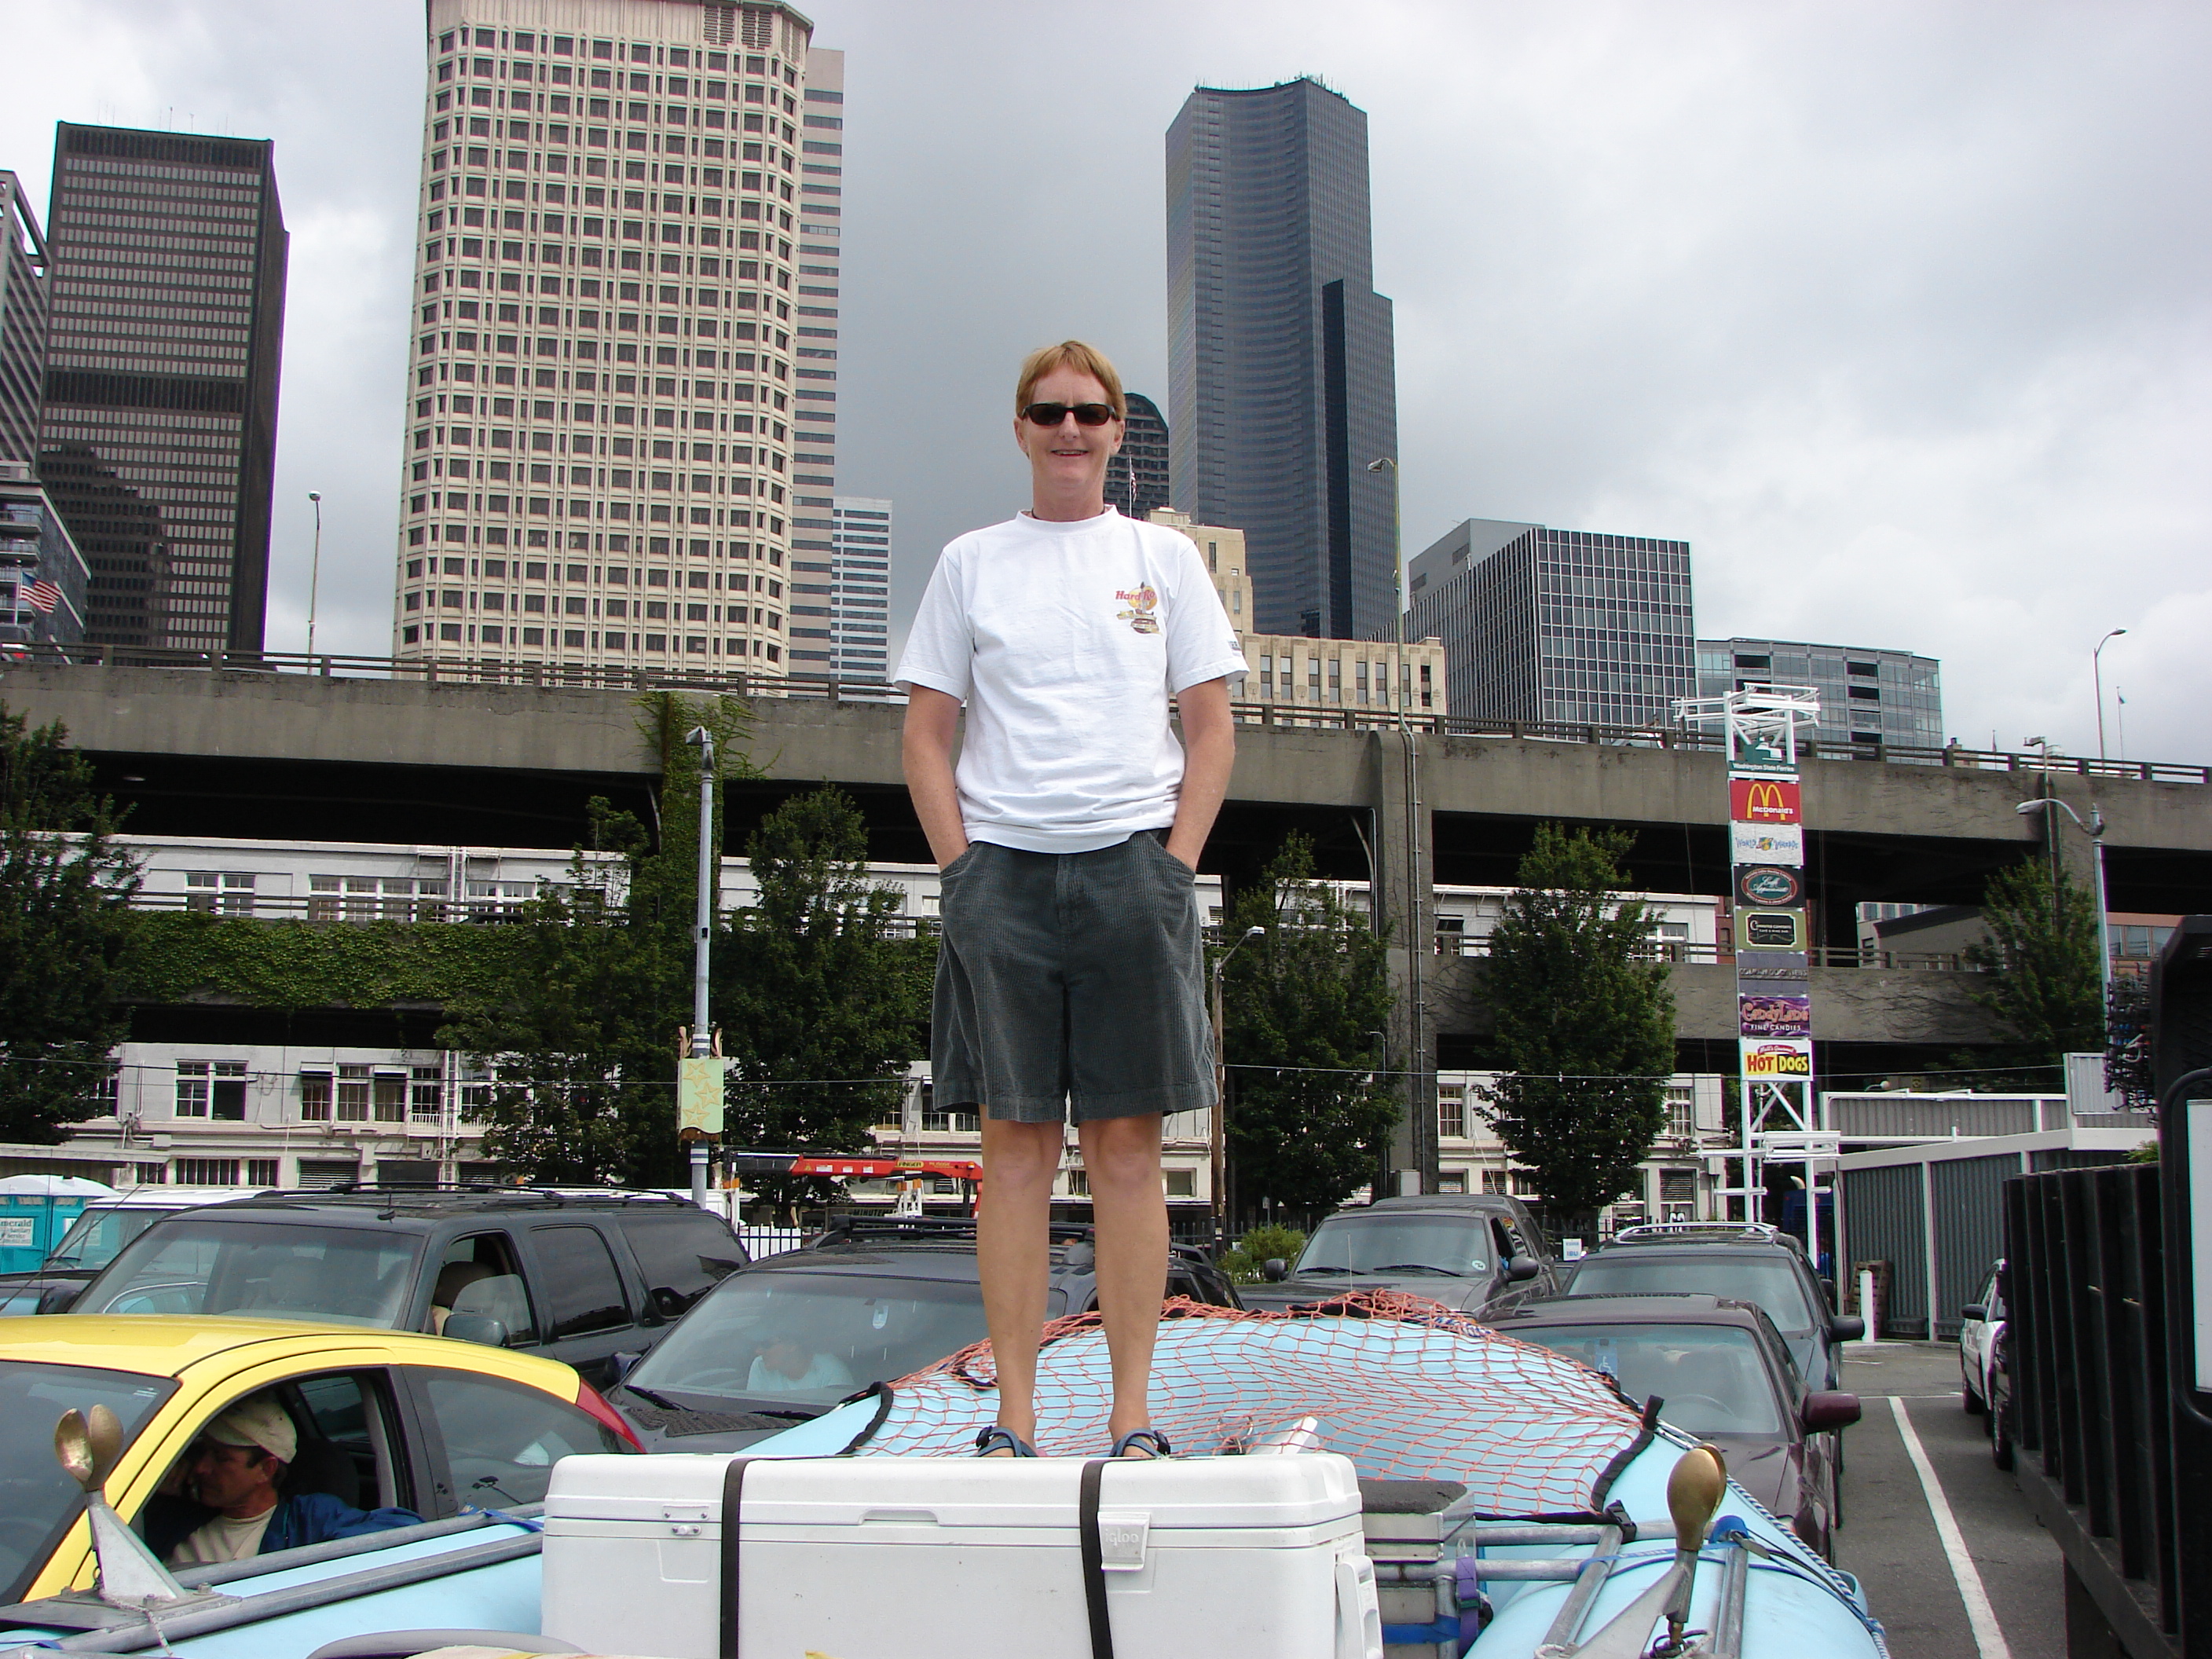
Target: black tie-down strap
734, 1505
1094, 1559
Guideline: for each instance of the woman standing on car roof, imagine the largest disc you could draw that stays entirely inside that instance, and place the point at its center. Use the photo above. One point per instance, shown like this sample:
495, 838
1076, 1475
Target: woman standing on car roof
1070, 973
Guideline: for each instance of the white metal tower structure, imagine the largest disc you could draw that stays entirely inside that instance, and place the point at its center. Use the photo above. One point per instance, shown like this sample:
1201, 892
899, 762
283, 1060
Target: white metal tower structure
1773, 942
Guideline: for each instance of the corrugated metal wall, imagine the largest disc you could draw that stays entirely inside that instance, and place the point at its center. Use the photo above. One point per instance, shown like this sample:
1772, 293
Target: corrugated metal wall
1969, 1230
1886, 1220
1906, 1117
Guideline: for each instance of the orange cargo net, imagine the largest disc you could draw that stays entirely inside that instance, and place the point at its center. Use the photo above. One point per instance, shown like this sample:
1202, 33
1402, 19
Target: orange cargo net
1404, 1387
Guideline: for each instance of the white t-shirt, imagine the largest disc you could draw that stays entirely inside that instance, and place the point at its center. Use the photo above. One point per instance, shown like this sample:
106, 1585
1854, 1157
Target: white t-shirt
222, 1539
1066, 641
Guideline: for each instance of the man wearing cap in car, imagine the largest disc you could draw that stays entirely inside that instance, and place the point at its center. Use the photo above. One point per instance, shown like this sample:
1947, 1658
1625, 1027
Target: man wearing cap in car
236, 1469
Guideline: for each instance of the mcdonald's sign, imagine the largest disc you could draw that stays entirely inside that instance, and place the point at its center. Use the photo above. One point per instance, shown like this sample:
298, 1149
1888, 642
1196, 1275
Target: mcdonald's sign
1763, 800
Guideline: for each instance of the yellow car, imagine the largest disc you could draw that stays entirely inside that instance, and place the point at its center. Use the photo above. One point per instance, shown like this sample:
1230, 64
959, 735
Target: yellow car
385, 1420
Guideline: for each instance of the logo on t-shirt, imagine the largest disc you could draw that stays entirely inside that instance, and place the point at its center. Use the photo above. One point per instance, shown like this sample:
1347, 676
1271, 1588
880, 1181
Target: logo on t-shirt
1139, 616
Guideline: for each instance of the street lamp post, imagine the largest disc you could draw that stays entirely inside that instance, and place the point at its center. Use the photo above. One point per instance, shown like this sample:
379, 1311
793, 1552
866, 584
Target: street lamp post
703, 1031
314, 568
2097, 671
1219, 1138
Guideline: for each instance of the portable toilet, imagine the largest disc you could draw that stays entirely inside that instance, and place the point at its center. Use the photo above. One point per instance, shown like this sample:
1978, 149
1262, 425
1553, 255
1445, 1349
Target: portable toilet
35, 1211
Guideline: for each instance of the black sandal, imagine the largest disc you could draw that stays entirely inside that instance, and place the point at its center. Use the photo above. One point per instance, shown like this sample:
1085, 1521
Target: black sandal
1154, 1444
998, 1438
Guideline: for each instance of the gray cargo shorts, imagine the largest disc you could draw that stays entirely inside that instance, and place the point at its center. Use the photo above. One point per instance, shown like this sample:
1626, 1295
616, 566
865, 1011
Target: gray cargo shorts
1071, 984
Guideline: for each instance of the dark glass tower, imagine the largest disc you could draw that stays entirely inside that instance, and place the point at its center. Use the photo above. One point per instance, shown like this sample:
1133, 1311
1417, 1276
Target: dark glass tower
22, 322
1283, 386
159, 438
1137, 476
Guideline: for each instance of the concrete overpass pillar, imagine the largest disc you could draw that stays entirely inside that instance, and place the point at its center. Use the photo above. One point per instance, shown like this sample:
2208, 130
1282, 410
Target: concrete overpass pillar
1404, 899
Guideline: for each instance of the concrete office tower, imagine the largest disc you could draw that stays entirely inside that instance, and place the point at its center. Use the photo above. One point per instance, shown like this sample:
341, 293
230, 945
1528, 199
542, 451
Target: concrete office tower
1282, 383
22, 322
604, 453
839, 622
1542, 624
1867, 696
167, 268
1137, 476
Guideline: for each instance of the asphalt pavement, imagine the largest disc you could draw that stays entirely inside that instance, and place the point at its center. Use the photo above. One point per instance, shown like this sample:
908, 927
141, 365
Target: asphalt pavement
1893, 1537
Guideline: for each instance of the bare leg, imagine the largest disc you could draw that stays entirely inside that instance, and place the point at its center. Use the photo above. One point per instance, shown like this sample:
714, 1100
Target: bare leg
1012, 1256
1122, 1155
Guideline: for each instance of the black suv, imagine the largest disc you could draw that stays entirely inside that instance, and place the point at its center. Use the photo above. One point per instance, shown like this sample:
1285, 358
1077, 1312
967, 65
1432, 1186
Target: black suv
1751, 1262
870, 1300
1477, 1252
576, 1275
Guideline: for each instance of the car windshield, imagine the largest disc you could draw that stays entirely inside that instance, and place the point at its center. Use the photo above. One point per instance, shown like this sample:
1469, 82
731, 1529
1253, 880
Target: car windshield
264, 1269
1775, 1285
99, 1235
812, 1338
1443, 1246
1709, 1377
40, 1500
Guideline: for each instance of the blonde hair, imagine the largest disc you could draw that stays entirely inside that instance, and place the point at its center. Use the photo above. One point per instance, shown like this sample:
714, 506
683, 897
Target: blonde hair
1083, 360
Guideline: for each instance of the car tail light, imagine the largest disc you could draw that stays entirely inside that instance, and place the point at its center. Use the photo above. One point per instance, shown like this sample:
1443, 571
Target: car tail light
591, 1400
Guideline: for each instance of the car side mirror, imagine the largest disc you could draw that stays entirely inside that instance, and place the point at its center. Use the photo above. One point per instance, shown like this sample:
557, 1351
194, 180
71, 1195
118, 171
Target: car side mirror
620, 1365
1847, 1327
1274, 1270
1974, 1310
1520, 1269
1830, 1411
59, 1298
480, 1329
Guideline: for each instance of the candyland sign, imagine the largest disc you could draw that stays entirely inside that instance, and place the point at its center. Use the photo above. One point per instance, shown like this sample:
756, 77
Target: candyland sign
1766, 843
1766, 1013
1776, 1057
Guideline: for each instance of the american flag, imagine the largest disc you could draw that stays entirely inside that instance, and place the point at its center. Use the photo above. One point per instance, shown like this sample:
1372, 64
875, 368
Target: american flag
42, 597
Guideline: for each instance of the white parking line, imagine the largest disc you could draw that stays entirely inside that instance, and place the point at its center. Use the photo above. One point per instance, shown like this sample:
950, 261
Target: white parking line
1988, 1640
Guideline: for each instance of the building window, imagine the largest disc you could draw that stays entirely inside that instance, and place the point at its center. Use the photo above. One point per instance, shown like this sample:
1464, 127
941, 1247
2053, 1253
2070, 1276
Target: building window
390, 1090
208, 1171
1681, 1112
1078, 1183
1451, 1111
229, 892
211, 1089
150, 1175
353, 1094
425, 1094
262, 1172
315, 1096
1180, 1183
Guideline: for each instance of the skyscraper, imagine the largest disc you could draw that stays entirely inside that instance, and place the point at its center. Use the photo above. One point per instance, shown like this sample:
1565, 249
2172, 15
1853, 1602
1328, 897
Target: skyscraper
1867, 696
1542, 624
1282, 382
167, 256
839, 622
1137, 476
625, 318
22, 322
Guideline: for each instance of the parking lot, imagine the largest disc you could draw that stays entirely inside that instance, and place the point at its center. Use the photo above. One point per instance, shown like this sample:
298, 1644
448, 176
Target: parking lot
1892, 1538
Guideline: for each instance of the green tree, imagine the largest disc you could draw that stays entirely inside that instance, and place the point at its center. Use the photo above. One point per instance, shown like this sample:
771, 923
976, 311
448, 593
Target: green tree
1308, 997
2038, 977
1585, 1025
821, 1005
65, 933
579, 1037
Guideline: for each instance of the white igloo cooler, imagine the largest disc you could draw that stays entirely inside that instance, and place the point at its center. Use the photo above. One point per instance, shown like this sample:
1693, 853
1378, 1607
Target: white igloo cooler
939, 1558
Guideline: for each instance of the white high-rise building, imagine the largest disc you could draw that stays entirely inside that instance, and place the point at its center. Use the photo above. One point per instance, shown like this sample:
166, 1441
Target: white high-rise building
840, 617
604, 444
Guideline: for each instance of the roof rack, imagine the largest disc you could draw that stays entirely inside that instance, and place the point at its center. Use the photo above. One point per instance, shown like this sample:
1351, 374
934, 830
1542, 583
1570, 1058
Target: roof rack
1762, 1232
469, 1189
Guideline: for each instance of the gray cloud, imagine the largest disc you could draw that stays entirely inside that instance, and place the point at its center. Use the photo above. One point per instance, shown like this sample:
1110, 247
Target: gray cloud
1895, 311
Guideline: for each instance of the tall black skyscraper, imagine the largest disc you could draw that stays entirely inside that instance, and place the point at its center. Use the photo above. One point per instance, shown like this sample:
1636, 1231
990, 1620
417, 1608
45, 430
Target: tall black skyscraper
159, 440
1283, 386
22, 322
1137, 476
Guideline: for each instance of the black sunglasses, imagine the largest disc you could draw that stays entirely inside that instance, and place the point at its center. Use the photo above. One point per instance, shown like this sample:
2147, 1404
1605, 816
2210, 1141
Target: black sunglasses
1053, 413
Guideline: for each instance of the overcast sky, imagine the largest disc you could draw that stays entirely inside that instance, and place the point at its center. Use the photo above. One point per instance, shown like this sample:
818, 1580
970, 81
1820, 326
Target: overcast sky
1898, 313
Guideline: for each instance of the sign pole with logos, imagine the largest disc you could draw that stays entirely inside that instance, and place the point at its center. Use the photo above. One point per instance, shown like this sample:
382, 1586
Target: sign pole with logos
1773, 938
